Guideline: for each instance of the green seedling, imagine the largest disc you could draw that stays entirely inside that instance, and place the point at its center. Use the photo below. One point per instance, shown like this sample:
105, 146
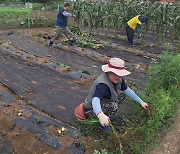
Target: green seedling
102, 151
113, 130
38, 119
86, 72
76, 134
66, 67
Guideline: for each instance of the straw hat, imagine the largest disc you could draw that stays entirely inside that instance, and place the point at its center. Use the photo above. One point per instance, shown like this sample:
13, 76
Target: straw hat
116, 65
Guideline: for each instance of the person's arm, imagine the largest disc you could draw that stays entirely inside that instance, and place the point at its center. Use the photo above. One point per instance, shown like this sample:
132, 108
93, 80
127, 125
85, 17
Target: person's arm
130, 93
96, 105
139, 30
67, 14
102, 90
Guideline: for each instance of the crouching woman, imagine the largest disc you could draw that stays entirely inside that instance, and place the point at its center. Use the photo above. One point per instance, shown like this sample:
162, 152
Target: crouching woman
105, 94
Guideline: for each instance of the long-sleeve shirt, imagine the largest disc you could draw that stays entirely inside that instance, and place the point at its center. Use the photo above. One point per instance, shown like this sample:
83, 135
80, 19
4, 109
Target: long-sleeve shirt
103, 92
62, 18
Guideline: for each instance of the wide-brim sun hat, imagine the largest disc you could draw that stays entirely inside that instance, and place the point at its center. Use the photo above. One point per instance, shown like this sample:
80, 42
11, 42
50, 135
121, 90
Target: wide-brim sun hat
117, 66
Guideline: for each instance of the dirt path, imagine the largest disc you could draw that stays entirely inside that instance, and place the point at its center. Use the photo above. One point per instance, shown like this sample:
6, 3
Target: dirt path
170, 143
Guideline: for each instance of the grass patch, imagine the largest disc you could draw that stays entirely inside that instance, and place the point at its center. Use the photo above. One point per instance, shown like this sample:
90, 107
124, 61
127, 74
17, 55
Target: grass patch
163, 94
12, 17
13, 10
43, 22
47, 6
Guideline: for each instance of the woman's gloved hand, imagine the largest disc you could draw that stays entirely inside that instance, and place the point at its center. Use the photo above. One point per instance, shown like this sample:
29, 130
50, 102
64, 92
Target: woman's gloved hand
144, 105
103, 119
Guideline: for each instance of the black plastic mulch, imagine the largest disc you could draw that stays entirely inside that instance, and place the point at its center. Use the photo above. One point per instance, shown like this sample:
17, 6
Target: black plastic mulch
48, 90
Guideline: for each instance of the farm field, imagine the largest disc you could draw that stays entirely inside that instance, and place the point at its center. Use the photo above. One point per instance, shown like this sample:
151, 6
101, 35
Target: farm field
41, 86
25, 51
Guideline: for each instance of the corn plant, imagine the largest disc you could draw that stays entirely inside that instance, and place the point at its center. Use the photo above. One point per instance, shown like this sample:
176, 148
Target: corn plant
164, 19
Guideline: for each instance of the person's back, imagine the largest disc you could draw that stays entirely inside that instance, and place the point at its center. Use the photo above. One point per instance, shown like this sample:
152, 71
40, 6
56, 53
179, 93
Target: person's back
61, 19
133, 22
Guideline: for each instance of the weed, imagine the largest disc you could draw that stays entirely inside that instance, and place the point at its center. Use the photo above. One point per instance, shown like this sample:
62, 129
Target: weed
66, 67
41, 34
86, 72
102, 151
76, 134
120, 149
90, 126
85, 39
12, 16
38, 119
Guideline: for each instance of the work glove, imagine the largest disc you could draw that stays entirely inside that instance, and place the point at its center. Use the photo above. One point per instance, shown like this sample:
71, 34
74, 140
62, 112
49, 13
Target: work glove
144, 105
103, 119
73, 16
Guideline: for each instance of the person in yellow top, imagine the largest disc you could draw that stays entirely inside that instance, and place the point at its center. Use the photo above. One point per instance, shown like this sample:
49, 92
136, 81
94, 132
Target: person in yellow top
135, 24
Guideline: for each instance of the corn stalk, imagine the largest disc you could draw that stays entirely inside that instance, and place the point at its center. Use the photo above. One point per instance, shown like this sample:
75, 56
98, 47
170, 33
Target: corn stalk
163, 18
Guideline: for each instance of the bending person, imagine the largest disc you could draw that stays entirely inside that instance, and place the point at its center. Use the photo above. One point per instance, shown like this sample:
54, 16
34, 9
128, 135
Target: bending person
132, 25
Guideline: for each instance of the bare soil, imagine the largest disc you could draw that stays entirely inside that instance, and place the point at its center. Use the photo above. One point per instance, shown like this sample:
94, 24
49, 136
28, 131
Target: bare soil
170, 141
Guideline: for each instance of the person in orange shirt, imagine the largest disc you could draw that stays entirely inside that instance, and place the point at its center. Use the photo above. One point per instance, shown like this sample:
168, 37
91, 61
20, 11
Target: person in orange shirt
135, 24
